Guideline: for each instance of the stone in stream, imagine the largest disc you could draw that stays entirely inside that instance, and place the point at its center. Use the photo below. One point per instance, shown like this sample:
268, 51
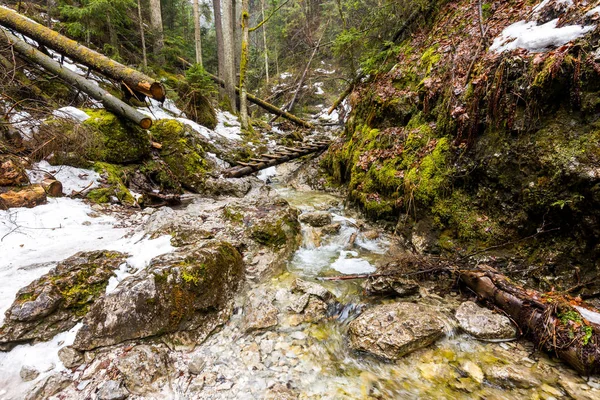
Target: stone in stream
393, 330
184, 295
511, 376
485, 324
316, 219
331, 229
390, 285
55, 302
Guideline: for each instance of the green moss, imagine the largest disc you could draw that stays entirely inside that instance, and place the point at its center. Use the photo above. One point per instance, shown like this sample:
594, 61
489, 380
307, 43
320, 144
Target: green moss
427, 181
117, 141
232, 215
116, 177
182, 152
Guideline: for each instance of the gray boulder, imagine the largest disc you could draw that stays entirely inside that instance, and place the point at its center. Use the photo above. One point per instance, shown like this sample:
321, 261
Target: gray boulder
316, 219
393, 330
70, 357
185, 294
485, 324
28, 373
55, 302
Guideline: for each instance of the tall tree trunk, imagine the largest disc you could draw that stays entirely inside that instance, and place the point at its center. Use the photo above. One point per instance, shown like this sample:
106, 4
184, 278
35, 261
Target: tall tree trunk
243, 64
157, 29
143, 37
114, 41
228, 52
264, 31
197, 36
219, 34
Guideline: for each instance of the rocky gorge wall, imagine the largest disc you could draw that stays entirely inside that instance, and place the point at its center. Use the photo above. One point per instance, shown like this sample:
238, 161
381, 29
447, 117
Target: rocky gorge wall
483, 148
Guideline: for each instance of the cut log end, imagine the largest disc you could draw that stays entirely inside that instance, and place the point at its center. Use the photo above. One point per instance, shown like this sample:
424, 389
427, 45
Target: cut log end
146, 123
158, 91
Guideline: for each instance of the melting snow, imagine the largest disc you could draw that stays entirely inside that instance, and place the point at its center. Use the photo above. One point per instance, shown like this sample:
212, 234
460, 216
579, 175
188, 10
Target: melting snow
228, 126
42, 356
23, 122
266, 173
71, 113
537, 38
73, 179
285, 75
593, 11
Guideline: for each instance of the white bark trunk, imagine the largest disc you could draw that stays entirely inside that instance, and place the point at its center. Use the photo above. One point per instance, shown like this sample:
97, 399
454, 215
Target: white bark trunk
197, 36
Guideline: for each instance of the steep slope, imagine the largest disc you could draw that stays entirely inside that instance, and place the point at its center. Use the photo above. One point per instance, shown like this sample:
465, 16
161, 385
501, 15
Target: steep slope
485, 131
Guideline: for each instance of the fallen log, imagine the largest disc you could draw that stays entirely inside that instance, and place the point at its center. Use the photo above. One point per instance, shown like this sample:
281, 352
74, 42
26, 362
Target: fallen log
132, 79
29, 196
243, 169
108, 100
556, 323
268, 106
52, 187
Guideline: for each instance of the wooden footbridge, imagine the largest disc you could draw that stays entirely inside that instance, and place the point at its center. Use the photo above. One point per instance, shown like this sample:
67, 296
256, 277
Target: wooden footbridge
279, 156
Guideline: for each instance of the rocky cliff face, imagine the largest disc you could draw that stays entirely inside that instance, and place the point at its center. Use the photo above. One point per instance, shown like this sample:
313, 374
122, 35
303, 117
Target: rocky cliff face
489, 139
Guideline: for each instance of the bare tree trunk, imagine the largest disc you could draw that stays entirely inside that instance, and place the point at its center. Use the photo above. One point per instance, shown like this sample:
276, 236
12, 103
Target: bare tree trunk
197, 36
114, 41
264, 31
157, 29
219, 34
143, 37
243, 64
228, 52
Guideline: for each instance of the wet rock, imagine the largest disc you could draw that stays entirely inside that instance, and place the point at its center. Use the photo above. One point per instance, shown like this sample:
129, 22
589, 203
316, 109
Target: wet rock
112, 390
331, 229
473, 371
316, 219
48, 387
482, 323
12, 172
70, 357
196, 365
511, 376
576, 387
260, 312
394, 330
315, 310
144, 368
185, 294
28, 373
311, 288
390, 285
371, 235
58, 300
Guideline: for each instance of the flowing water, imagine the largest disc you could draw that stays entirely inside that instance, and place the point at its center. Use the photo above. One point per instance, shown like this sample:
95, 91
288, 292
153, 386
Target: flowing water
314, 359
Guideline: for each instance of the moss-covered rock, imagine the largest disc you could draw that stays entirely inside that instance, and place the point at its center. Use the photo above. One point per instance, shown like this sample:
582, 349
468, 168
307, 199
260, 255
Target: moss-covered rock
115, 140
55, 302
116, 177
183, 294
182, 152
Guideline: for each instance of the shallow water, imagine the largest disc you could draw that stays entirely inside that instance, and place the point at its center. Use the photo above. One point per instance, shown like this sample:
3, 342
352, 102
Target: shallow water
456, 367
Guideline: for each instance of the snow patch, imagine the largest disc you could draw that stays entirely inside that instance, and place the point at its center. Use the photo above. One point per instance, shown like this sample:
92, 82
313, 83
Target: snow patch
73, 179
142, 250
537, 38
228, 126
325, 71
41, 356
319, 86
544, 3
168, 110
70, 112
285, 75
595, 10
24, 123
266, 173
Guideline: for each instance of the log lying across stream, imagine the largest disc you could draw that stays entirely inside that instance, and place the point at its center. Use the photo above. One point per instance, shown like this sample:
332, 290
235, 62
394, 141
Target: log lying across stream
556, 323
90, 88
278, 157
132, 79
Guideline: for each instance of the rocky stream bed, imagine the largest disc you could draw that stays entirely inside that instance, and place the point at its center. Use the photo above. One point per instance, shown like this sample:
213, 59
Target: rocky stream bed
152, 327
